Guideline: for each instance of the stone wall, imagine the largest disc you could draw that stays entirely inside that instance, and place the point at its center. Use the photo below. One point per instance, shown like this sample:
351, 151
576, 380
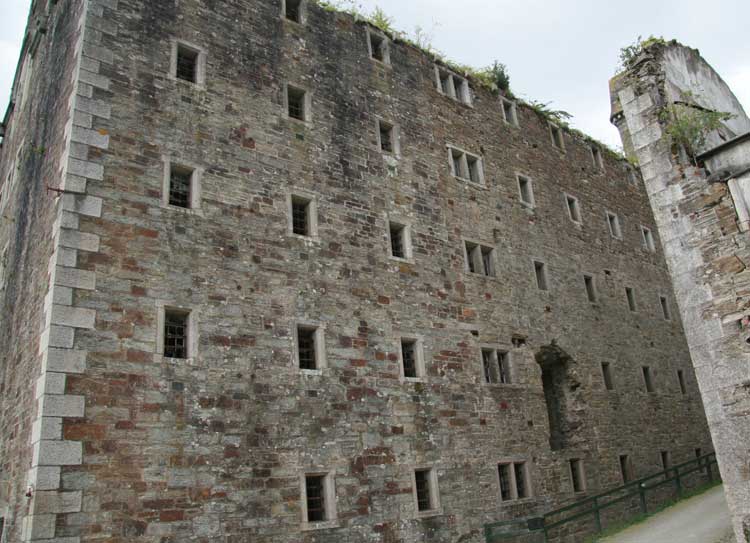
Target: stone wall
36, 138
213, 447
705, 242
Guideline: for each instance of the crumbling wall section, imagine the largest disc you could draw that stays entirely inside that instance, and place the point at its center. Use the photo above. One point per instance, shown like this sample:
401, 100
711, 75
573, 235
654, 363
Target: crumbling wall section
701, 231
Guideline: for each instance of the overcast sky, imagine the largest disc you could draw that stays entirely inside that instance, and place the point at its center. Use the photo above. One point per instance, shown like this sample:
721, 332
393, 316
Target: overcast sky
562, 52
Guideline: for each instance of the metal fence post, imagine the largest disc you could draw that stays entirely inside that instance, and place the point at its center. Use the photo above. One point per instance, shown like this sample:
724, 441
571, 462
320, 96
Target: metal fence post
708, 470
678, 482
642, 495
597, 515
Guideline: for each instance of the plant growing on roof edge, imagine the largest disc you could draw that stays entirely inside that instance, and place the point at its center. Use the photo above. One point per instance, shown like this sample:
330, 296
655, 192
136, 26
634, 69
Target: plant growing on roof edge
689, 125
496, 76
493, 77
380, 19
629, 53
557, 115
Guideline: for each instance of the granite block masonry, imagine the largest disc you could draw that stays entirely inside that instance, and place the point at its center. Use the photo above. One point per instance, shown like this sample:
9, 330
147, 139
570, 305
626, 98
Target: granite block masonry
271, 275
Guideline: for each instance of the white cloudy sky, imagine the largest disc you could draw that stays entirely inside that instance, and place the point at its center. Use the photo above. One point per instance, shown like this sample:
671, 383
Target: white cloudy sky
557, 51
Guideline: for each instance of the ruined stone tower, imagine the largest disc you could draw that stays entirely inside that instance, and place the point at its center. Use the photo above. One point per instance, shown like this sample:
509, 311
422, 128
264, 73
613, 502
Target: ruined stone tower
270, 275
700, 194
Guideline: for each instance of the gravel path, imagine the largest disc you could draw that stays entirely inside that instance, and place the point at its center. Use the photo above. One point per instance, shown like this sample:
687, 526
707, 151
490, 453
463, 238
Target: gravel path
701, 519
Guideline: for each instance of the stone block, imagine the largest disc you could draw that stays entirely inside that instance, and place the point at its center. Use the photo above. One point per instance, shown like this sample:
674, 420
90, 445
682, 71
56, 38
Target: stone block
67, 257
93, 138
57, 453
81, 119
75, 278
60, 336
44, 477
46, 428
95, 80
62, 296
75, 317
98, 52
83, 205
50, 383
79, 240
38, 527
50, 501
65, 360
62, 405
74, 183
87, 169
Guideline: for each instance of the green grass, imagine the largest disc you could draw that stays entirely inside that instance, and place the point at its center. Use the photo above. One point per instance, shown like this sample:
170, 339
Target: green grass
619, 527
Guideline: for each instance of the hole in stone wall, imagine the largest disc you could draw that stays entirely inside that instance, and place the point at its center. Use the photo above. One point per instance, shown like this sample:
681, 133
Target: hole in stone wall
560, 395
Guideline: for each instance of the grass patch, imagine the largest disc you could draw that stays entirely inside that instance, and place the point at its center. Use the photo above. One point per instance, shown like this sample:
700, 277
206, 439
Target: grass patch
619, 527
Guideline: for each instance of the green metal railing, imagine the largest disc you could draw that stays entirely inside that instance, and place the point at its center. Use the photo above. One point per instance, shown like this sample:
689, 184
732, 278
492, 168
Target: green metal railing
593, 506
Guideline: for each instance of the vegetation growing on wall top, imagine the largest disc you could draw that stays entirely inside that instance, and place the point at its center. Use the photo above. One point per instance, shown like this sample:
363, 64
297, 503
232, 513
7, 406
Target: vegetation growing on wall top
689, 125
630, 53
494, 78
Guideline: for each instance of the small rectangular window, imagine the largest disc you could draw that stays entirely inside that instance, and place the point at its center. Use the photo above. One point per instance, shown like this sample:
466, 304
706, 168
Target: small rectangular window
307, 348
301, 216
496, 366
509, 111
466, 166
463, 91
596, 157
607, 376
588, 281
471, 249
666, 313
698, 452
296, 103
520, 473
480, 259
557, 136
625, 468
176, 333
577, 475
648, 239
574, 208
446, 84
503, 472
379, 49
316, 501
488, 266
411, 361
453, 86
630, 295
399, 240
387, 137
681, 381
181, 186
319, 498
293, 10
457, 163
187, 63
613, 221
666, 460
425, 490
513, 481
474, 165
540, 271
525, 190
647, 378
